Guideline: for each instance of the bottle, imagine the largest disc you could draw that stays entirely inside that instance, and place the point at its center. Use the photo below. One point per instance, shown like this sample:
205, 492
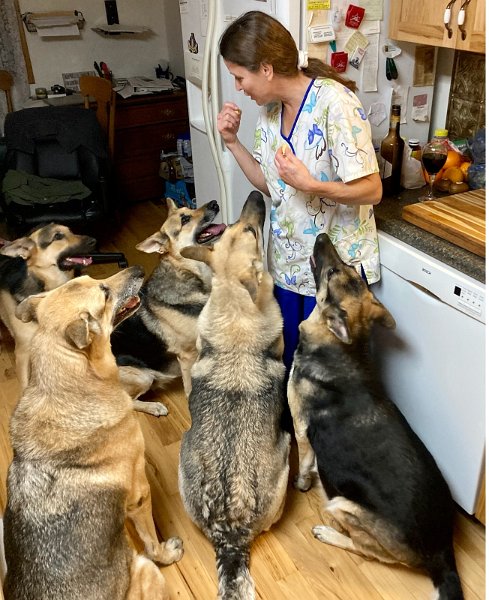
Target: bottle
391, 151
415, 148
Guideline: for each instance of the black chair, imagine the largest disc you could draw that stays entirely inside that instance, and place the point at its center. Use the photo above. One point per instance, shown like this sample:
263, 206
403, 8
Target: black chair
47, 149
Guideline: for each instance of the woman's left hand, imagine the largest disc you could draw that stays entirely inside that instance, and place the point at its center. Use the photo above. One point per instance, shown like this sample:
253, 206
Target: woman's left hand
292, 170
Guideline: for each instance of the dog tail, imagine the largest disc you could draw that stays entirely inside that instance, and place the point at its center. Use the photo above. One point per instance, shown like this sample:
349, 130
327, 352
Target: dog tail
443, 572
232, 558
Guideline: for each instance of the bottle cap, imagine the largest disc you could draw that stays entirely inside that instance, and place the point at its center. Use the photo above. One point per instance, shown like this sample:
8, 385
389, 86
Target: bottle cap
413, 142
441, 133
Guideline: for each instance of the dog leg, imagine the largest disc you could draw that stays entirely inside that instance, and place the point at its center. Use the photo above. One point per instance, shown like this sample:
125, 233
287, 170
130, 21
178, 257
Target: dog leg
139, 511
186, 360
307, 457
328, 535
146, 581
22, 366
157, 409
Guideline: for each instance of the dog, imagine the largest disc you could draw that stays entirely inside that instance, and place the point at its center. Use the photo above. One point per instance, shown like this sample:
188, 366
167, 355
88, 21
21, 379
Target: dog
158, 344
41, 261
78, 466
234, 465
385, 494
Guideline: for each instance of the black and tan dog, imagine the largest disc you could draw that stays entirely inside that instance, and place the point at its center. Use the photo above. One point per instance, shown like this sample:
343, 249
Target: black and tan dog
234, 459
386, 495
158, 343
78, 466
41, 261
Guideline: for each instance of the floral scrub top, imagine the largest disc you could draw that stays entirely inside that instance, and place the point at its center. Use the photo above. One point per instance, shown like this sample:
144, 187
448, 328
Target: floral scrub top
331, 136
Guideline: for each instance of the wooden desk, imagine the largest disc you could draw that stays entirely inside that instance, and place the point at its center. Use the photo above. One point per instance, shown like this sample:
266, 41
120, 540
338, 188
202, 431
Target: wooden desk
145, 125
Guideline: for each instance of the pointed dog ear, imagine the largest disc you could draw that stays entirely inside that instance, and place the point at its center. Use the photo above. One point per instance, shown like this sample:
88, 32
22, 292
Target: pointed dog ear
158, 242
202, 253
336, 321
170, 205
381, 315
79, 331
26, 311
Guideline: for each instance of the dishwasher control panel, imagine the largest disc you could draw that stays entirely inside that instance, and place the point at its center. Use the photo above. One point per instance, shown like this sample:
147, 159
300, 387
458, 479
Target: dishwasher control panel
469, 300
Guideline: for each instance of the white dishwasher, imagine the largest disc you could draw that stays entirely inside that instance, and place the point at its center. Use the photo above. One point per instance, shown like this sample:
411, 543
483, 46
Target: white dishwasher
433, 363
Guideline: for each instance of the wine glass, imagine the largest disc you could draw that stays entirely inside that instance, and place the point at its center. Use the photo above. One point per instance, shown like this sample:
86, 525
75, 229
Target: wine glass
433, 157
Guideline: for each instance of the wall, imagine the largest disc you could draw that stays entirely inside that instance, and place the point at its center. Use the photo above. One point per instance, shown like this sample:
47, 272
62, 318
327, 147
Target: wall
125, 55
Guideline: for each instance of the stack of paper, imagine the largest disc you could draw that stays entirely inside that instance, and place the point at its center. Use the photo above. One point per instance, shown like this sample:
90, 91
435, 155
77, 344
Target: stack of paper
144, 85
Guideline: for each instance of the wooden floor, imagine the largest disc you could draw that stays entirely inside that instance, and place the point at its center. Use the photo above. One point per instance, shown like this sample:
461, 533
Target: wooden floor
287, 563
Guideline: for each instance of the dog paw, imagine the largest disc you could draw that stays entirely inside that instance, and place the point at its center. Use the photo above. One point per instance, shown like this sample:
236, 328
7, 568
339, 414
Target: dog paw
303, 483
173, 549
156, 409
320, 532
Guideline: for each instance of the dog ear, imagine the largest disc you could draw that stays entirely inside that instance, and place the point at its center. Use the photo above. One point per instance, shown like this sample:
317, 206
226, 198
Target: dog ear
202, 253
336, 320
26, 311
158, 242
381, 315
79, 331
170, 205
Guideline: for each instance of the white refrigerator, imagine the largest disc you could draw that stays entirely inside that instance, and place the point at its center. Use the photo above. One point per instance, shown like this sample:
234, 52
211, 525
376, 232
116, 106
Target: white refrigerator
209, 84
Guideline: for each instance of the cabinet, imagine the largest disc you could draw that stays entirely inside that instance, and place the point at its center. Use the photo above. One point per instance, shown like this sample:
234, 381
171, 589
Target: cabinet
422, 22
145, 125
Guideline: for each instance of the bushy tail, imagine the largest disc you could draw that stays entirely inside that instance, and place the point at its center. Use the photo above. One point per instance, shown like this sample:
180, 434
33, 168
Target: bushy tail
232, 558
443, 572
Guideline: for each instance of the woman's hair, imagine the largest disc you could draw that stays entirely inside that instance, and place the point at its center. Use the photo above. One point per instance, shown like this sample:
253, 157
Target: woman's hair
256, 38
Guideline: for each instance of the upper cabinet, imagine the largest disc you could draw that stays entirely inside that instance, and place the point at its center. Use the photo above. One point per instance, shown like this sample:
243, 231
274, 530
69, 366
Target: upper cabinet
458, 24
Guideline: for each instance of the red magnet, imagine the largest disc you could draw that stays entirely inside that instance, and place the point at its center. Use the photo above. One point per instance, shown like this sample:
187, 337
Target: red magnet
354, 16
339, 61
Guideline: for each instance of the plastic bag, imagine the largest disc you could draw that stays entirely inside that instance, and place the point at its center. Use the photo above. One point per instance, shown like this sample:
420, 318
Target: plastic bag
412, 171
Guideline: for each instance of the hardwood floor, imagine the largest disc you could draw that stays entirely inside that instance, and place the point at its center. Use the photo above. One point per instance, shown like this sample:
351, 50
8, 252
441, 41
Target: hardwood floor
287, 563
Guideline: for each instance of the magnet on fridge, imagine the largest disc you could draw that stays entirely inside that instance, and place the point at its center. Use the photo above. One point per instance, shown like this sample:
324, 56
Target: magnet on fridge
339, 61
354, 16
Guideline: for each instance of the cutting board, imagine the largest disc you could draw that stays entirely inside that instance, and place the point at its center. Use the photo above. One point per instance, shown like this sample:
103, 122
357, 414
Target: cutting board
460, 219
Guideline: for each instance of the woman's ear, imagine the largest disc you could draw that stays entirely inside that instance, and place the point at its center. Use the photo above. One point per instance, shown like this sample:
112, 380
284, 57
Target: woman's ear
267, 70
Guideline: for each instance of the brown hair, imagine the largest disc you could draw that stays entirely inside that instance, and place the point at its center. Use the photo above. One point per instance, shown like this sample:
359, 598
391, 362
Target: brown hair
256, 38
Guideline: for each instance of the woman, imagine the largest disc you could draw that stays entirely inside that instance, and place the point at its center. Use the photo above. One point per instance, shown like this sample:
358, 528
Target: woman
313, 156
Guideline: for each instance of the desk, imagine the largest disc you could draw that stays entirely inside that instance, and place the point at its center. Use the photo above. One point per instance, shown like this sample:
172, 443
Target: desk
144, 126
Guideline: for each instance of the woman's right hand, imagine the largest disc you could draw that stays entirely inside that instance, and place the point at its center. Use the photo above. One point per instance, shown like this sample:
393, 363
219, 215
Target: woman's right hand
228, 121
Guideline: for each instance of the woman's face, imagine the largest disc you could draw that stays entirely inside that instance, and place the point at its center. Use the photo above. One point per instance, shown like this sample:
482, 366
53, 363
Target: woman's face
256, 85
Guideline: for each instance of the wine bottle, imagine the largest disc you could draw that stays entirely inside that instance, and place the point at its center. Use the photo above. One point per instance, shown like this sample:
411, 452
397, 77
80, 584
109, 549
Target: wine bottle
391, 151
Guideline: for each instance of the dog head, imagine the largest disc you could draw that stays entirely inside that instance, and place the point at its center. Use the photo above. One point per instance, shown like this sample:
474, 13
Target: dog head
184, 227
344, 302
238, 254
84, 310
56, 245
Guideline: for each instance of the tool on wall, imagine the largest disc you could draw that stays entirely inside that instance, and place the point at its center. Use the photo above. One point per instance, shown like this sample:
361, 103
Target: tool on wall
390, 52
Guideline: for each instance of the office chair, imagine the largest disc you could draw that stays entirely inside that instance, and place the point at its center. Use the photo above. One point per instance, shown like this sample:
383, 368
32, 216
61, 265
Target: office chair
98, 90
50, 151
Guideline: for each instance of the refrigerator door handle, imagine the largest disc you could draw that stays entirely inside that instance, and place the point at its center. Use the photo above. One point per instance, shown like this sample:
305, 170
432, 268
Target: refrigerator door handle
210, 96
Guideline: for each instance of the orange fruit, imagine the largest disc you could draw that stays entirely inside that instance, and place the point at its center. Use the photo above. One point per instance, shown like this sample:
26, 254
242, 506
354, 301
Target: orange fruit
464, 167
454, 174
454, 159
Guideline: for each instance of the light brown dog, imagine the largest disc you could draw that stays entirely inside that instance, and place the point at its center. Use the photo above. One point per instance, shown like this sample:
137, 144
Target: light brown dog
78, 467
41, 261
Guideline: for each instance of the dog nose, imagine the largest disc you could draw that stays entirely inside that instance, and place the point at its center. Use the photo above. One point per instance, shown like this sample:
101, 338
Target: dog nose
214, 205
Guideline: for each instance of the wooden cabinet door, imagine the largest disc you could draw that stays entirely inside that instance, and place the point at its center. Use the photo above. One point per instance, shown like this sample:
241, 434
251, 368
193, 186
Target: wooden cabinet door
422, 22
474, 26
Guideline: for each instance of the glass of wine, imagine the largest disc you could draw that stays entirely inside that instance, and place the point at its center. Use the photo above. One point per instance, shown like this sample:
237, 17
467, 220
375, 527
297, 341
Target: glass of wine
433, 157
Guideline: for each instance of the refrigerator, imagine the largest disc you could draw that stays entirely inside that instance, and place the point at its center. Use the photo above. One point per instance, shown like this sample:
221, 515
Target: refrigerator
209, 84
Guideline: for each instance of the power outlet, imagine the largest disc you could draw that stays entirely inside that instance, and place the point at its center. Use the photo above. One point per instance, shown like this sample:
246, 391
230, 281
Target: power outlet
111, 12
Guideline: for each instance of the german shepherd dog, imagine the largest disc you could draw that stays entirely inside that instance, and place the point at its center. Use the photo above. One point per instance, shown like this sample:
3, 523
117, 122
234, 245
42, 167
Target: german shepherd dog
158, 343
234, 459
78, 466
41, 261
385, 494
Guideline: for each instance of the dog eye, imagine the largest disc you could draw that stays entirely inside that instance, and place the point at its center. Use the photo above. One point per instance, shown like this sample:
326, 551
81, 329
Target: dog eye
250, 229
184, 219
58, 236
331, 272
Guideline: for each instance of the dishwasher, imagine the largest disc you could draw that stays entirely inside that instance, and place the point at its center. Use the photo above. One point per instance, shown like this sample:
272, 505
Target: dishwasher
433, 364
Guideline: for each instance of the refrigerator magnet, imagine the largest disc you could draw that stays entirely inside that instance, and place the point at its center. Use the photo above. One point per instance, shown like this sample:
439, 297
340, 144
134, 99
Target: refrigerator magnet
354, 16
339, 61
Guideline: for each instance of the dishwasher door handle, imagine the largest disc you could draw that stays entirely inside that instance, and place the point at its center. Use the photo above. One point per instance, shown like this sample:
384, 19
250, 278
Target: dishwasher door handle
424, 291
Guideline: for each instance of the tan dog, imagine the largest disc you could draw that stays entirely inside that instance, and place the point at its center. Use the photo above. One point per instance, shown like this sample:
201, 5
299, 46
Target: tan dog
78, 467
41, 261
234, 459
158, 343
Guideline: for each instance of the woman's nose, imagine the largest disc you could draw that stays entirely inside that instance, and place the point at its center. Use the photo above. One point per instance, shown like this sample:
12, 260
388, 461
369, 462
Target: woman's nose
237, 85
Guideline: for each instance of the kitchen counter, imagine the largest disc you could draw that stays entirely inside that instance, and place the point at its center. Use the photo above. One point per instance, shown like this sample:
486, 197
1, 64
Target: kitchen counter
388, 216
